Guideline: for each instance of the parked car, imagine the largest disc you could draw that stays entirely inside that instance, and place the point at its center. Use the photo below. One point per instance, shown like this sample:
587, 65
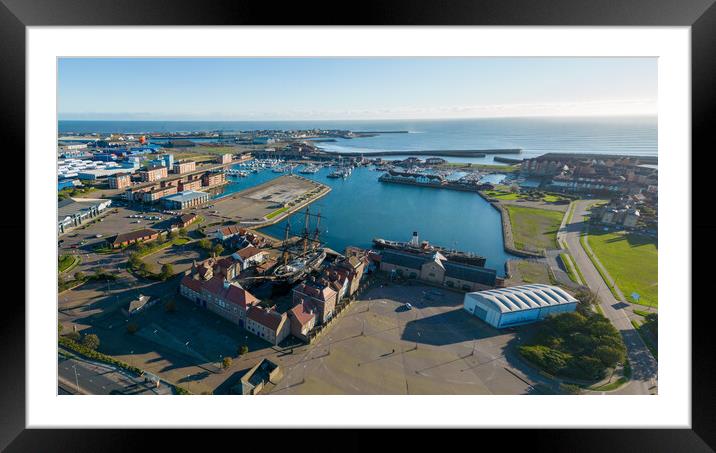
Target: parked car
98, 235
408, 306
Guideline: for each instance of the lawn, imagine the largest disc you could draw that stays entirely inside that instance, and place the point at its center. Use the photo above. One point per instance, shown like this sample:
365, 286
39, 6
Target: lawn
632, 261
534, 229
275, 213
67, 262
504, 193
569, 267
532, 272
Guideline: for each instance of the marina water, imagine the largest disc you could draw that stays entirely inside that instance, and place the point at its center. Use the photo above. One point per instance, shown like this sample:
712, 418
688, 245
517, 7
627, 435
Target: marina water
361, 208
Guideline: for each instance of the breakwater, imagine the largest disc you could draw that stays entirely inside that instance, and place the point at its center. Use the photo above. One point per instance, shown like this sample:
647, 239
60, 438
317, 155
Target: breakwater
432, 152
506, 160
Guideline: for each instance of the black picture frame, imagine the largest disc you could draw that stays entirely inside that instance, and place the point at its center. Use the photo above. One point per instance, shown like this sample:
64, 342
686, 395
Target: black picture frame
700, 15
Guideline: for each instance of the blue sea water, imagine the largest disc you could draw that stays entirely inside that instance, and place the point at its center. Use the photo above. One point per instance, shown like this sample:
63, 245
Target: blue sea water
361, 208
535, 136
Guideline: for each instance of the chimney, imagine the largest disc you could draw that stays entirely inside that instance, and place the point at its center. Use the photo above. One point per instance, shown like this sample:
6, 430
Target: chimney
414, 241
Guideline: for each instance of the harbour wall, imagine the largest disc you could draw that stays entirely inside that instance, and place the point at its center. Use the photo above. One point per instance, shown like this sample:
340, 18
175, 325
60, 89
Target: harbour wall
434, 152
507, 239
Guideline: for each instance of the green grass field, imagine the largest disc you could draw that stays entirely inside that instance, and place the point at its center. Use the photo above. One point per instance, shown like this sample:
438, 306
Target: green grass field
532, 272
504, 193
276, 212
534, 229
67, 261
569, 266
632, 261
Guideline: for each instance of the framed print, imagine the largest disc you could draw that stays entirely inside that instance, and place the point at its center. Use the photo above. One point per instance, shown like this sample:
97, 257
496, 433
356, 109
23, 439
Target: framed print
392, 223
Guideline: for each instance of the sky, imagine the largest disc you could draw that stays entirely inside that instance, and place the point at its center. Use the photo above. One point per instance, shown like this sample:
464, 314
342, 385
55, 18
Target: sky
242, 89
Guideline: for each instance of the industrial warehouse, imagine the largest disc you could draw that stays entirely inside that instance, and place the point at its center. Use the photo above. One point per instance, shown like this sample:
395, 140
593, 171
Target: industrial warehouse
504, 307
72, 213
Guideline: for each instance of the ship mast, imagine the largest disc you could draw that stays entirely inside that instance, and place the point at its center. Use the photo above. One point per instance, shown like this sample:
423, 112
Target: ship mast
284, 257
317, 231
305, 233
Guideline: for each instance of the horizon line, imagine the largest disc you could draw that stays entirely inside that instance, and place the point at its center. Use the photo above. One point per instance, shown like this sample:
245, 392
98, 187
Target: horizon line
372, 119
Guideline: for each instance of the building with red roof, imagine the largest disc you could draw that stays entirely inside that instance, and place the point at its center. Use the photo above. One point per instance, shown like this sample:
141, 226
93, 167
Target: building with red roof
208, 287
268, 324
227, 232
320, 294
303, 320
250, 257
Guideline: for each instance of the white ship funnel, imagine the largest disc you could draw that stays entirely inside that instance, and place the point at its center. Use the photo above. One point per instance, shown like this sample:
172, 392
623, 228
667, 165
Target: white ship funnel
414, 240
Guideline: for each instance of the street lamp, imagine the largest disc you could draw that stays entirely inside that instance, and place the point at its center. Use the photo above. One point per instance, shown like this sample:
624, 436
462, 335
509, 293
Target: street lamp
77, 381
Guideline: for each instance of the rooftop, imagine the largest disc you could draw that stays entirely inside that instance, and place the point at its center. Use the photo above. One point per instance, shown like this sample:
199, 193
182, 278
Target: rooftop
525, 297
303, 312
134, 235
186, 195
70, 206
266, 317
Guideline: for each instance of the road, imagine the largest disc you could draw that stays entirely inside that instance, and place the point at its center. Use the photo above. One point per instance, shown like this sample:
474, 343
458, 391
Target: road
97, 379
644, 367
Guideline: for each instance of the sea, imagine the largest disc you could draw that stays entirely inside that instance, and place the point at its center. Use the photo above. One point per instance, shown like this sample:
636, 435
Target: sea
534, 136
361, 208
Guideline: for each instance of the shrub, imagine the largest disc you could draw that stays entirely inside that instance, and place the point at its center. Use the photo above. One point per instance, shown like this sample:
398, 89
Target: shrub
90, 341
226, 363
72, 345
574, 345
73, 336
167, 271
244, 349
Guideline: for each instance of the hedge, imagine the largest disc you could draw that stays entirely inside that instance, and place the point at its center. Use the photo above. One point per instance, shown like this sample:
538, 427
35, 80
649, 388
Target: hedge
94, 355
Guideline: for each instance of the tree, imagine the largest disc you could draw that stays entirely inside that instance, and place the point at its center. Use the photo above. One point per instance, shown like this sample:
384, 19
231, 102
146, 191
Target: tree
173, 234
167, 271
218, 249
134, 261
243, 350
204, 244
609, 356
182, 231
79, 275
132, 328
226, 363
514, 188
91, 341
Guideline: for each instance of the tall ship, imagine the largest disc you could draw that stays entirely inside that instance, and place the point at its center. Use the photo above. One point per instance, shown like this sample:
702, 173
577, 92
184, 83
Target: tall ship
416, 246
304, 262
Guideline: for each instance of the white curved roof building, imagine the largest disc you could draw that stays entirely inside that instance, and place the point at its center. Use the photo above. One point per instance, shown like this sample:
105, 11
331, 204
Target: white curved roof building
515, 305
